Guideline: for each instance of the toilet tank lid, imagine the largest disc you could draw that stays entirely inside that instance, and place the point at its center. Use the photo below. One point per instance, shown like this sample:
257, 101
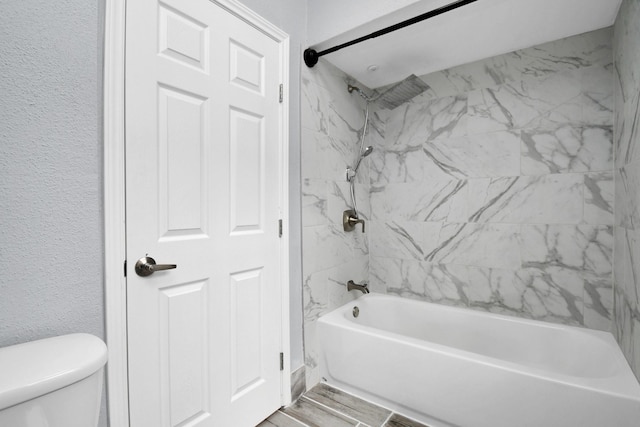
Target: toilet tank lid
35, 368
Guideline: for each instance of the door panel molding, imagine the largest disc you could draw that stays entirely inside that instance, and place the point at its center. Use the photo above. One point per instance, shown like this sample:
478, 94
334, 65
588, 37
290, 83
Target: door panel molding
114, 199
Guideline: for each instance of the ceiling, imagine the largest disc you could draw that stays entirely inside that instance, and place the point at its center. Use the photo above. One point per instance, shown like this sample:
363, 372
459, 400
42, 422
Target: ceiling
476, 31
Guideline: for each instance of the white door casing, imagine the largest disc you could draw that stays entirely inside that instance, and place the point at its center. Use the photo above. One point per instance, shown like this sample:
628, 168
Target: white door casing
204, 338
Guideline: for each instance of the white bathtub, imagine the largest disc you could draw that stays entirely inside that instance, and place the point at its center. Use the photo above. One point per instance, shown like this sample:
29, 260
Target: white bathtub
446, 366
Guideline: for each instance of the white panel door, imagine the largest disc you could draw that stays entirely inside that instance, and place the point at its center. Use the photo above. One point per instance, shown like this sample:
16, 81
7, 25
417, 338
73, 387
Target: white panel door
202, 184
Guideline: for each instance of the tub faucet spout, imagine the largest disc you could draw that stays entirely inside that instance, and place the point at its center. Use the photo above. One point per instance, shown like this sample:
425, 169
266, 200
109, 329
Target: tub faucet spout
364, 288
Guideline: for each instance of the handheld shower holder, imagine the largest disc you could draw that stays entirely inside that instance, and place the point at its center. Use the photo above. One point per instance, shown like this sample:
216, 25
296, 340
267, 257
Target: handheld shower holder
350, 173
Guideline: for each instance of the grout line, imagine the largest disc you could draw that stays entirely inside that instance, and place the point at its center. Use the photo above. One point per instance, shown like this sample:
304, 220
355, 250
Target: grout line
360, 423
391, 412
294, 419
332, 409
387, 420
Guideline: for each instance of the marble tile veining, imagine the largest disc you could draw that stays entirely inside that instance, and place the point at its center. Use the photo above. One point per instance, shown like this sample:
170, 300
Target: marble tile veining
599, 198
298, 382
486, 155
426, 119
414, 201
589, 50
482, 245
598, 304
627, 183
567, 148
399, 239
546, 199
584, 248
493, 190
332, 124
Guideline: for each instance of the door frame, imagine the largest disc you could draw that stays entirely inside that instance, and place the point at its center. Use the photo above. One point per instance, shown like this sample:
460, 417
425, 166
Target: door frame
115, 282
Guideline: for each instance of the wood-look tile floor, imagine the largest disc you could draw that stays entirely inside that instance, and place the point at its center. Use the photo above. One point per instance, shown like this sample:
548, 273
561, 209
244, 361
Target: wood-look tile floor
324, 406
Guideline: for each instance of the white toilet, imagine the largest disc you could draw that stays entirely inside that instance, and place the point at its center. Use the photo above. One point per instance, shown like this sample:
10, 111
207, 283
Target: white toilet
54, 382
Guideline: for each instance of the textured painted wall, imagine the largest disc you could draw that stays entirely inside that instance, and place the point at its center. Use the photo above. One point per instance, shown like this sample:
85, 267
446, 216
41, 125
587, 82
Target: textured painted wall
51, 243
50, 171
627, 179
332, 120
290, 15
494, 189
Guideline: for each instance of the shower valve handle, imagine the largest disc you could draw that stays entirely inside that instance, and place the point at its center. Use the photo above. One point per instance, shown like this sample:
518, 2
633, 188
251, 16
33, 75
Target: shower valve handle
350, 220
355, 221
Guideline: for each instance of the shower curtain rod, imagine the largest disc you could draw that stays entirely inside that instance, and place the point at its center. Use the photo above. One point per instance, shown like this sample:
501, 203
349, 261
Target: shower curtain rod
311, 56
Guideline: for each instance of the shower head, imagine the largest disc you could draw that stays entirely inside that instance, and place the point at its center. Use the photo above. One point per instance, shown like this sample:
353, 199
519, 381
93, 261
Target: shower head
394, 95
364, 154
401, 92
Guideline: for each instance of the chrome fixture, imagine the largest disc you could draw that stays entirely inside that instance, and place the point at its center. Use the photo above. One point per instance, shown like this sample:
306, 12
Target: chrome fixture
350, 220
390, 98
352, 88
399, 93
146, 266
352, 172
356, 311
351, 285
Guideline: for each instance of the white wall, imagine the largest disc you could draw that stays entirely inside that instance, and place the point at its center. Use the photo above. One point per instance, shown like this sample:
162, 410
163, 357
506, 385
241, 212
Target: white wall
330, 18
333, 22
50, 170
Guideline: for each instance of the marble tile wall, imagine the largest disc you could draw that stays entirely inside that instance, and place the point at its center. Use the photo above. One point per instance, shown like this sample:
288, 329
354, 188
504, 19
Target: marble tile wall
332, 122
494, 190
627, 181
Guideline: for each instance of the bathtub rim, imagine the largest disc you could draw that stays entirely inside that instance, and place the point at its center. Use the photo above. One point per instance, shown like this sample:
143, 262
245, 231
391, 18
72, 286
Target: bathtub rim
622, 383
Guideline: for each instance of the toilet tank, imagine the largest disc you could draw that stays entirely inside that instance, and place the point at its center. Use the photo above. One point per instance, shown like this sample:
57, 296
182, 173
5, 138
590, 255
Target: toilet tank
54, 382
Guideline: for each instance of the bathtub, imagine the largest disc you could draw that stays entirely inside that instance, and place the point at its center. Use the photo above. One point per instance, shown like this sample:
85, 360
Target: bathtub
446, 366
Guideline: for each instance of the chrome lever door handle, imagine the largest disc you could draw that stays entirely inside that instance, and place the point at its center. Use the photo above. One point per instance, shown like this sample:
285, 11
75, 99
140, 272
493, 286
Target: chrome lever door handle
146, 266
